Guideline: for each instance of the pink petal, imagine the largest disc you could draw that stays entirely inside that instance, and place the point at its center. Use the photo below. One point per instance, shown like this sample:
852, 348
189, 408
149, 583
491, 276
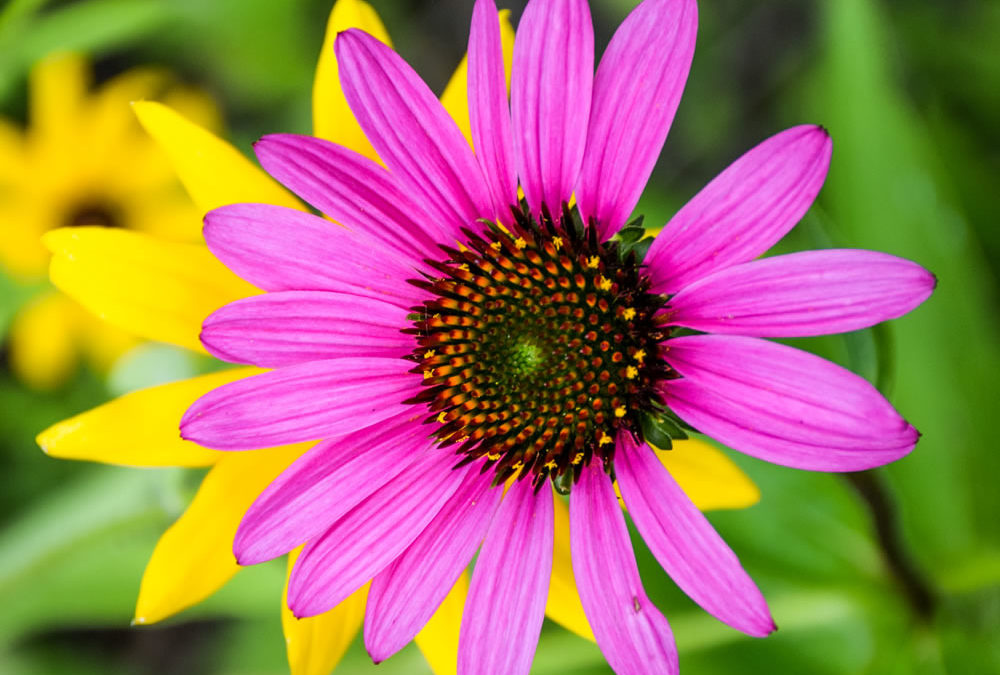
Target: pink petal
325, 483
809, 293
489, 111
686, 544
289, 327
783, 405
369, 537
551, 80
744, 211
405, 595
305, 402
412, 133
636, 91
353, 190
280, 249
510, 583
633, 635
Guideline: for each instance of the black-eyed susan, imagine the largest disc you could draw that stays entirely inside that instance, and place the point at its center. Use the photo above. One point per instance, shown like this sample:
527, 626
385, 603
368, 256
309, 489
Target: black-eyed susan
83, 161
165, 292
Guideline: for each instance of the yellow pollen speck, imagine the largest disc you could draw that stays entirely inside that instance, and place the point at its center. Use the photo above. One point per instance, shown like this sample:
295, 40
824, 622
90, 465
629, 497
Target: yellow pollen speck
464, 267
631, 372
428, 373
604, 439
441, 416
429, 354
628, 314
493, 456
620, 411
604, 284
520, 242
593, 261
557, 242
551, 464
639, 355
577, 458
496, 245
517, 466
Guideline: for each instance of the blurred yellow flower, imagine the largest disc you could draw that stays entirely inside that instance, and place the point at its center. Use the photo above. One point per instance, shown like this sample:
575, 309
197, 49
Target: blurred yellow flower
82, 161
163, 291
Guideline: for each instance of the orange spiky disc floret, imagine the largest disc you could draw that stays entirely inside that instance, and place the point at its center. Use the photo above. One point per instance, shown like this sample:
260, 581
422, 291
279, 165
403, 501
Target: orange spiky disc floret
539, 345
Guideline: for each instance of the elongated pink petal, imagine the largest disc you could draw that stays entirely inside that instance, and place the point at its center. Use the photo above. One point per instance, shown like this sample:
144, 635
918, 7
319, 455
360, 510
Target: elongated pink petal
280, 249
632, 633
325, 483
351, 189
289, 327
489, 111
552, 77
808, 293
636, 91
412, 133
305, 402
783, 405
744, 211
686, 544
405, 595
506, 603
371, 535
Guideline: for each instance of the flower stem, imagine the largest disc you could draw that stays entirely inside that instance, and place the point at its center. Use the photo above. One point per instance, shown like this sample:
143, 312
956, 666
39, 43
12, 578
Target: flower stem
873, 490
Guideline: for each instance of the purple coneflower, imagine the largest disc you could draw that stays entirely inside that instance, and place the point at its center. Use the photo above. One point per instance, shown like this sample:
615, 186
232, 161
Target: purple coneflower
458, 348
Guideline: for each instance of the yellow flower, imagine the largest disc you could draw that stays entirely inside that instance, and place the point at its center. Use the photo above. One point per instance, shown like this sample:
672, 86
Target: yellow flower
163, 291
83, 160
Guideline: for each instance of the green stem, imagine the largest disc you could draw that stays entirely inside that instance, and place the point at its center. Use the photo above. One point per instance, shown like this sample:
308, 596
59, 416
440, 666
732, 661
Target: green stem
873, 490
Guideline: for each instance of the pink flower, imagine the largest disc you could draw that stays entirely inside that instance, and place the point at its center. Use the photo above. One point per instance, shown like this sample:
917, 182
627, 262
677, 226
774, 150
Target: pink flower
448, 340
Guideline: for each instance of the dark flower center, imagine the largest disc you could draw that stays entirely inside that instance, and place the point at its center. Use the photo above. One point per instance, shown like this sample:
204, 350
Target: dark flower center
93, 213
539, 346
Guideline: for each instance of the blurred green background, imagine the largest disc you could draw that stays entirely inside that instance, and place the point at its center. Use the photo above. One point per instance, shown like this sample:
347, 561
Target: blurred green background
910, 92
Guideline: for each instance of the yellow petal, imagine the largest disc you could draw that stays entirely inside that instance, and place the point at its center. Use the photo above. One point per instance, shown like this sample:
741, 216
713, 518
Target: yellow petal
194, 558
708, 477
455, 98
316, 644
438, 639
140, 428
564, 605
12, 154
156, 289
213, 171
43, 352
58, 87
332, 117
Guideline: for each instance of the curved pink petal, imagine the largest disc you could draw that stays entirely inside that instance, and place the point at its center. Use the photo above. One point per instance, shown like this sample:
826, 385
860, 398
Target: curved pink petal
371, 535
325, 483
405, 595
280, 249
489, 111
412, 133
632, 633
783, 405
552, 76
305, 402
289, 327
353, 190
685, 543
808, 293
636, 91
744, 211
510, 583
